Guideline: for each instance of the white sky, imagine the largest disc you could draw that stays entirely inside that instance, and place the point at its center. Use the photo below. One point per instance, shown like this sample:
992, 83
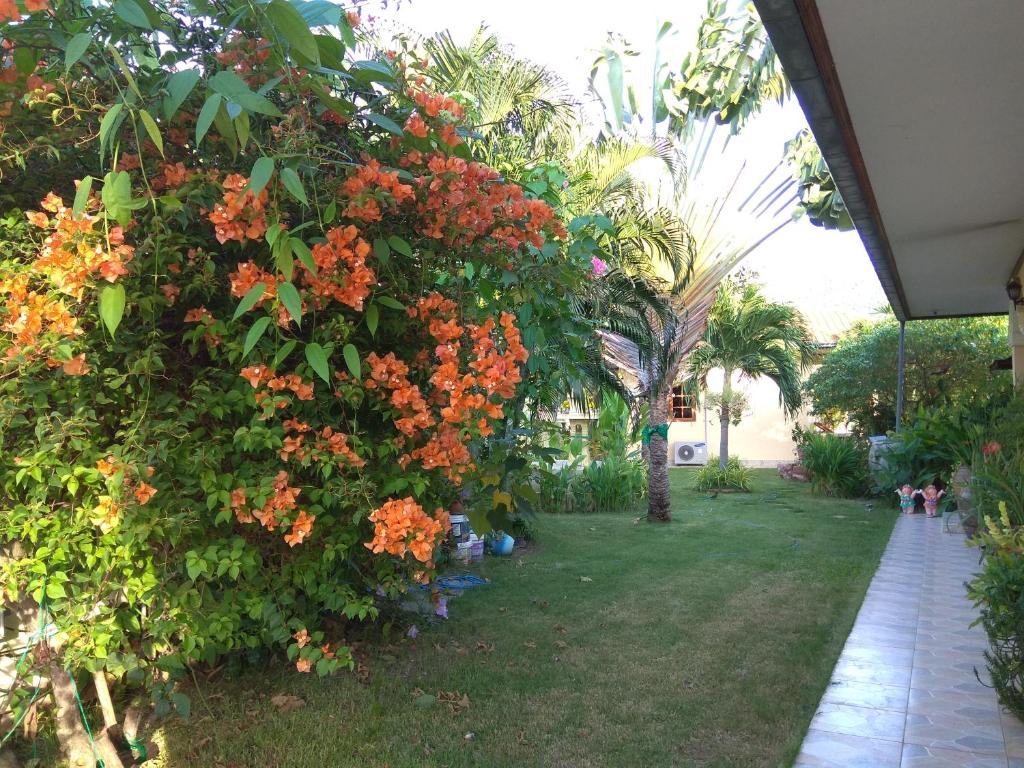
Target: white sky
803, 264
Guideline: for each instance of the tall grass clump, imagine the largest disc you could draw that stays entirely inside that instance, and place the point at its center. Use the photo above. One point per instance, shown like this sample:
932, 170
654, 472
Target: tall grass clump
711, 477
838, 465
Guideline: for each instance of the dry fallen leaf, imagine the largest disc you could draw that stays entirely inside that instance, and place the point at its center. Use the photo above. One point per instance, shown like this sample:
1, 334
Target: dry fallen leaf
457, 702
560, 644
485, 647
286, 702
560, 629
530, 644
502, 609
585, 578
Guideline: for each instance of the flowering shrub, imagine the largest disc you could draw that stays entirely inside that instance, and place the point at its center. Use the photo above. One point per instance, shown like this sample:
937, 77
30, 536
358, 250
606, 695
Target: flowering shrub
251, 336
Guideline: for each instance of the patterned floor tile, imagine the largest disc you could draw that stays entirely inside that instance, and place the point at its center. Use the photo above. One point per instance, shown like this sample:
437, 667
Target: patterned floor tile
822, 749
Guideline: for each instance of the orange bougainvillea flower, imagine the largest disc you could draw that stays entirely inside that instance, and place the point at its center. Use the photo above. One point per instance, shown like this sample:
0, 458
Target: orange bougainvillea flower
36, 5
239, 216
300, 528
303, 665
76, 366
106, 466
402, 526
144, 492
37, 219
416, 126
302, 638
9, 11
198, 315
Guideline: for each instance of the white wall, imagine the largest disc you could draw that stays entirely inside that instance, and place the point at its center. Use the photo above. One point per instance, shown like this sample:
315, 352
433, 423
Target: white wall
762, 438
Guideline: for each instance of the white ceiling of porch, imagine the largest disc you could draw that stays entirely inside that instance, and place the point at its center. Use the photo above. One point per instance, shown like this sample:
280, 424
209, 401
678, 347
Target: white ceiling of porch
935, 91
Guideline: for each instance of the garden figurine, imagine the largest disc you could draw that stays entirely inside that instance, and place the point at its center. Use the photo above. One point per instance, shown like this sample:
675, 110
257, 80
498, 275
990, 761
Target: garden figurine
931, 499
906, 494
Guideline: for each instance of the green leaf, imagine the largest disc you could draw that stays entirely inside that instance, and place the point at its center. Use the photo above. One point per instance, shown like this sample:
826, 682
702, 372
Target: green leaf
226, 127
260, 174
55, 591
249, 300
469, 269
398, 244
283, 261
385, 122
390, 303
317, 359
182, 704
289, 296
373, 71
294, 185
81, 196
346, 33
179, 86
206, 115
283, 352
305, 255
330, 212
151, 128
130, 11
112, 302
295, 29
352, 360
255, 334
372, 318
242, 129
425, 700
272, 232
381, 250
25, 59
75, 49
232, 87
107, 124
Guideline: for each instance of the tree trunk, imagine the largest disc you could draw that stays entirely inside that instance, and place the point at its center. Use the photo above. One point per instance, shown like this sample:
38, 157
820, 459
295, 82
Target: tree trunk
659, 502
723, 417
70, 733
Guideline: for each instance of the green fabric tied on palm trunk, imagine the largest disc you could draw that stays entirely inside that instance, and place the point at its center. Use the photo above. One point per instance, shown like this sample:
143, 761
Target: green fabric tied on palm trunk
649, 432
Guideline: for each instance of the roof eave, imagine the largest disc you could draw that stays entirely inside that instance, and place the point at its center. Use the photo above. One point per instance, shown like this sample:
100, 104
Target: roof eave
799, 39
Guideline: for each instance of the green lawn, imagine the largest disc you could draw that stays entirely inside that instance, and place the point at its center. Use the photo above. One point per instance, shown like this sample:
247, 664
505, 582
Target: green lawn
706, 642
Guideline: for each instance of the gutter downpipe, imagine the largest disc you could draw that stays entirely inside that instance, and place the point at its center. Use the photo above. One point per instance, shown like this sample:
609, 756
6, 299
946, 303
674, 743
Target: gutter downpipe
900, 370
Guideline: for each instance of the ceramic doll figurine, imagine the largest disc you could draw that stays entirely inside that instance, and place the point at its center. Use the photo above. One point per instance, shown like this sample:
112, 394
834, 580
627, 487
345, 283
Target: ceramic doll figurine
931, 499
906, 494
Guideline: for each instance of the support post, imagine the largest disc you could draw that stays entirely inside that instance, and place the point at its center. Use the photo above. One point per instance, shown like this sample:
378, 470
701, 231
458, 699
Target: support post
900, 373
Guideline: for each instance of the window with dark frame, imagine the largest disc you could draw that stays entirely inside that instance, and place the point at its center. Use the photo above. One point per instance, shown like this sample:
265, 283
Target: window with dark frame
682, 406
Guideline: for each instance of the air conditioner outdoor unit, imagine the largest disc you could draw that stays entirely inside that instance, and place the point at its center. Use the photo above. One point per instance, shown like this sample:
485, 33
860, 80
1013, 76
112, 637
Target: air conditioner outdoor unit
689, 453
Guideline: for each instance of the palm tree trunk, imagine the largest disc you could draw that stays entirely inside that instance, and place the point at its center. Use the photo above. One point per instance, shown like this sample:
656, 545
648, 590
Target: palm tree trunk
659, 502
723, 417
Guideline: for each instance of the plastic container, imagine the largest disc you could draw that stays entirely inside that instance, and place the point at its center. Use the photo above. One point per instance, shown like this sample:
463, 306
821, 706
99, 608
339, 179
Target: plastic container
460, 528
476, 548
463, 552
502, 546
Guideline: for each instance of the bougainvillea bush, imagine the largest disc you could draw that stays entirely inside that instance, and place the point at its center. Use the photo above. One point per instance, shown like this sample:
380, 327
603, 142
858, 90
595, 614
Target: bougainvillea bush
257, 306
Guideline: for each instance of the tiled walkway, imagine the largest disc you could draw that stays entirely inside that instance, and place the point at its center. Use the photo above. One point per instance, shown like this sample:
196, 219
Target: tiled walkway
904, 693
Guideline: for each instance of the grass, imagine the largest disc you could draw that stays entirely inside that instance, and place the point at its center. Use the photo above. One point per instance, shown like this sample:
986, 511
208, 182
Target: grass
704, 642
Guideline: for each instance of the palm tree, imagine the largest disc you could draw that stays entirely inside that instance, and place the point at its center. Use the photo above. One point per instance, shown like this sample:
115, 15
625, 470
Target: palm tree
749, 335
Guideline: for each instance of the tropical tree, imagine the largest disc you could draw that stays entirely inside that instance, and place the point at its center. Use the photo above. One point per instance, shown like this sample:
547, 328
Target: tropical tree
948, 363
750, 335
729, 77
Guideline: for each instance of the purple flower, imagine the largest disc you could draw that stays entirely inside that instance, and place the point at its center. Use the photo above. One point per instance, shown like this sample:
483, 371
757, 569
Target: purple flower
413, 632
599, 265
441, 607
